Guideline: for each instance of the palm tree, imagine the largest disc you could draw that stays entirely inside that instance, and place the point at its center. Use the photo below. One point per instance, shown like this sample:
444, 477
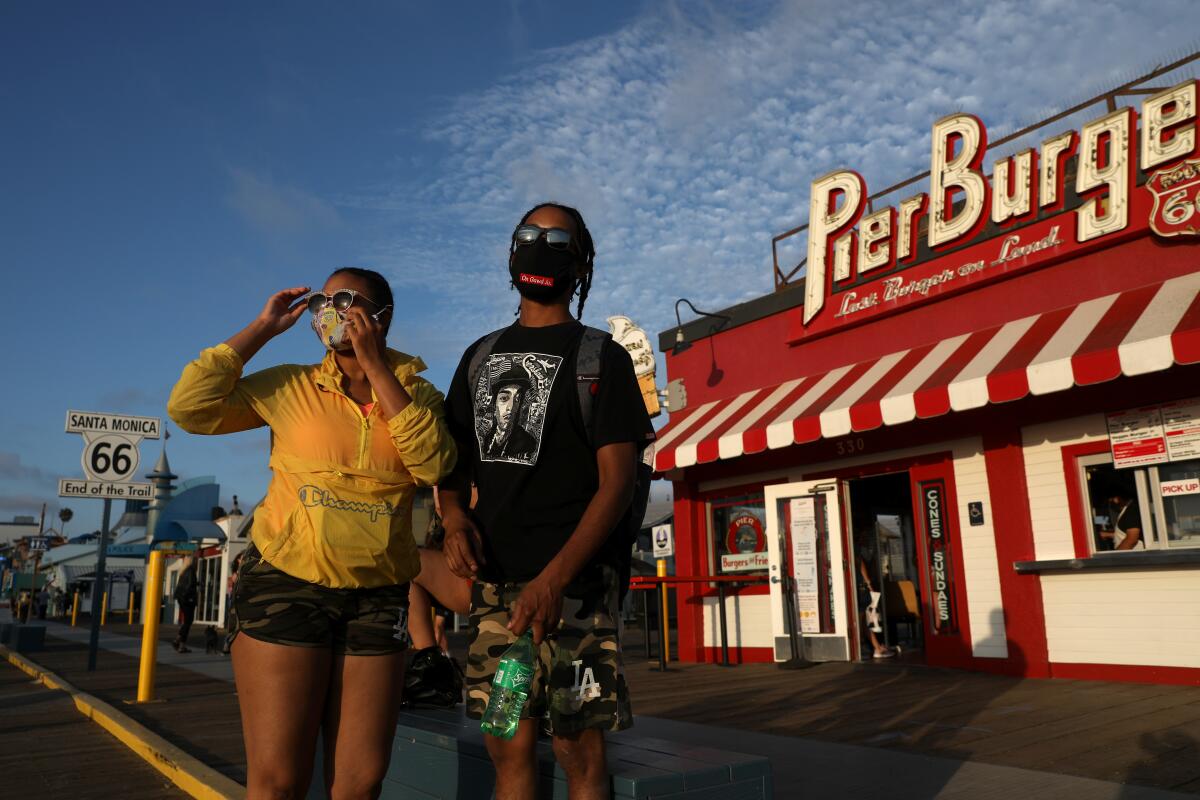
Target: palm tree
65, 515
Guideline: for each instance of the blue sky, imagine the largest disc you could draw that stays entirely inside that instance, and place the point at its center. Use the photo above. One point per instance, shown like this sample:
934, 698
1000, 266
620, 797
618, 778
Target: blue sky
166, 167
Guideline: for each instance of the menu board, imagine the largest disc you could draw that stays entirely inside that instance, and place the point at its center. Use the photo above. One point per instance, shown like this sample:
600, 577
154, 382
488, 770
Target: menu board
1137, 437
804, 563
1181, 424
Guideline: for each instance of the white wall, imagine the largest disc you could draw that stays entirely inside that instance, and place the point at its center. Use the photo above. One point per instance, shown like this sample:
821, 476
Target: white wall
1047, 483
1128, 617
747, 620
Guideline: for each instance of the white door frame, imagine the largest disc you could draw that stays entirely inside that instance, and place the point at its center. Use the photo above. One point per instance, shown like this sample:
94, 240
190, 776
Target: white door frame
835, 645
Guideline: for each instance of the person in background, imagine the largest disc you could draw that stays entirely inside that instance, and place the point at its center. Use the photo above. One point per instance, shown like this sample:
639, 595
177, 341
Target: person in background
1126, 518
187, 594
43, 602
868, 568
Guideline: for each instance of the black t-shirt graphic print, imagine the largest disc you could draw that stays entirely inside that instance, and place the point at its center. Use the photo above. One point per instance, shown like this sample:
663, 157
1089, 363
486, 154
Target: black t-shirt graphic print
511, 398
532, 462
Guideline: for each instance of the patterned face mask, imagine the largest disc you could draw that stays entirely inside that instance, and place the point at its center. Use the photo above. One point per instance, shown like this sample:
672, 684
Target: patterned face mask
330, 325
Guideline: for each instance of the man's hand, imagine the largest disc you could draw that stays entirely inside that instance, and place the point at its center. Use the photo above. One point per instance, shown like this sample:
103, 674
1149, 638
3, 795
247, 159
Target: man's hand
463, 546
539, 605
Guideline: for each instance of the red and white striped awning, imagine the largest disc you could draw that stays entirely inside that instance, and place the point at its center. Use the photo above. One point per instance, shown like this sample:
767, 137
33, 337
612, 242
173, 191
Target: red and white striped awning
1132, 333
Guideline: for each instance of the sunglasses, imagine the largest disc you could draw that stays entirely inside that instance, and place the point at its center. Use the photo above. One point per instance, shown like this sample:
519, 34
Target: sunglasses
341, 300
556, 238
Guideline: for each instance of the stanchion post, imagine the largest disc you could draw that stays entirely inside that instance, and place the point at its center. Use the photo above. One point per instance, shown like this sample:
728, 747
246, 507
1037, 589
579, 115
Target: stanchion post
664, 651
153, 590
75, 609
724, 630
104, 608
132, 600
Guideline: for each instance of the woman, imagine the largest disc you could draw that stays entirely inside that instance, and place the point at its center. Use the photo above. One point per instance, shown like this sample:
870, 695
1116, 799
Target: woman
319, 626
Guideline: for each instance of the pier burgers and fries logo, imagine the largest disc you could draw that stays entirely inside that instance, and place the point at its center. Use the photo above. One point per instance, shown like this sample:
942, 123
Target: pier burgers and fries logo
863, 263
745, 535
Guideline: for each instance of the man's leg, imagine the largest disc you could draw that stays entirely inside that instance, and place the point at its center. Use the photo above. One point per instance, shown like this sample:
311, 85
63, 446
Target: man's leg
515, 761
582, 757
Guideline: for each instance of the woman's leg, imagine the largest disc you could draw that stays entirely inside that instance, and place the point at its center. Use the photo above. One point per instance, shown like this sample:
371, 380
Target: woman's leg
364, 694
435, 579
281, 691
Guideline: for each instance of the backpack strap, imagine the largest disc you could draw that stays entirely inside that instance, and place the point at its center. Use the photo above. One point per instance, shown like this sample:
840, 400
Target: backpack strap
486, 344
587, 374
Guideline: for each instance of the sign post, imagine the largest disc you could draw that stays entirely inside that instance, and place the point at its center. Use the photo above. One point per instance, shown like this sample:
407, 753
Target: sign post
110, 458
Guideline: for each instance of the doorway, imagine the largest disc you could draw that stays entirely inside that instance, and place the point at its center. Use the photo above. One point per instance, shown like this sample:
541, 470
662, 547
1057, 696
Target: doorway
888, 612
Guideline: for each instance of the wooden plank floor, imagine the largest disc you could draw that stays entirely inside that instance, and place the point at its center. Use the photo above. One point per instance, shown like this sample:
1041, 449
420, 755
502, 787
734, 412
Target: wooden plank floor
1129, 733
49, 751
1143, 734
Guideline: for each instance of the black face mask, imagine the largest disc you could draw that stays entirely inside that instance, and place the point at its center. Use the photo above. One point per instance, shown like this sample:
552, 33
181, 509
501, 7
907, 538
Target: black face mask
541, 272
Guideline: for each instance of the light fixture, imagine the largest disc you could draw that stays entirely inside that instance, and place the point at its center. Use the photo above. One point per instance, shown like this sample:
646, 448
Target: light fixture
681, 343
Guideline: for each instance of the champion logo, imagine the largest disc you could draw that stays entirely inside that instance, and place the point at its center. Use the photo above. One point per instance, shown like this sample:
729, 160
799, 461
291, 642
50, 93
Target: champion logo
536, 280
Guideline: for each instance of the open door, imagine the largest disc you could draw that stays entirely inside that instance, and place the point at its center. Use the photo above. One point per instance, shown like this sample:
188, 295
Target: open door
809, 610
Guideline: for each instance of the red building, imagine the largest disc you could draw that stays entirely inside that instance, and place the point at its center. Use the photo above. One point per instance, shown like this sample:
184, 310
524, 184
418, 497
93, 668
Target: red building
983, 401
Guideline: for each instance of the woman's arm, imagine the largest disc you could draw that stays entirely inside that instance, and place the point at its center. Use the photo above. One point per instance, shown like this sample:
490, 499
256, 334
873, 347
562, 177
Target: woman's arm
211, 396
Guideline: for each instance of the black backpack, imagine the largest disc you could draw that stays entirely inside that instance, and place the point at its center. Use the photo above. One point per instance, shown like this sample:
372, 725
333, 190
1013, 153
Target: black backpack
587, 379
432, 680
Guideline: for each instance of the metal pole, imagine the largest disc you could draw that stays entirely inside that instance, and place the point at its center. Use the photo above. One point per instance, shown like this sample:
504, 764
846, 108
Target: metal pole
104, 608
724, 631
795, 639
665, 622
75, 609
98, 586
149, 663
645, 623
132, 598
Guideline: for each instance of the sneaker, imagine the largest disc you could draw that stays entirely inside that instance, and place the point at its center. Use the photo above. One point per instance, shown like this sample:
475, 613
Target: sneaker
889, 653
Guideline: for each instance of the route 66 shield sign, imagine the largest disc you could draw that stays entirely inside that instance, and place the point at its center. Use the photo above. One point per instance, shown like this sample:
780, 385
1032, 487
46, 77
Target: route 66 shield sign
1176, 194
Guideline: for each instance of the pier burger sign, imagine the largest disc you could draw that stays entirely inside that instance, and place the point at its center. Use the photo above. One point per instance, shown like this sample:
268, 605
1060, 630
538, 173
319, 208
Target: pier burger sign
861, 265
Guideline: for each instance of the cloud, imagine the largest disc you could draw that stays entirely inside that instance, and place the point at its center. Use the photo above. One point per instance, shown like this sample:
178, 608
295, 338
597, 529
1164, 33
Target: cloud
29, 504
11, 468
275, 208
690, 136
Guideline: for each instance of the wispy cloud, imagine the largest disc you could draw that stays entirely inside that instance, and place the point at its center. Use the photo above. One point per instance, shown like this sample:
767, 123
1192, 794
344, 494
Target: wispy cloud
276, 208
29, 504
690, 136
11, 468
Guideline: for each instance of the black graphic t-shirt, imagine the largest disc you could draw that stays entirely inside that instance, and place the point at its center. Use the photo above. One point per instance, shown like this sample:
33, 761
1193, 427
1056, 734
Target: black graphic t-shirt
530, 457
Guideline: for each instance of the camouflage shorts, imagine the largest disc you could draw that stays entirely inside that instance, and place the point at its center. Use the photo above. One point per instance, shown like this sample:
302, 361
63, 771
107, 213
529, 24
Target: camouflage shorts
578, 680
272, 606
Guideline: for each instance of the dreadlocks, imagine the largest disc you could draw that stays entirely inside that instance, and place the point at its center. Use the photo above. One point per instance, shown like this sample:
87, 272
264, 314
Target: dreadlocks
585, 244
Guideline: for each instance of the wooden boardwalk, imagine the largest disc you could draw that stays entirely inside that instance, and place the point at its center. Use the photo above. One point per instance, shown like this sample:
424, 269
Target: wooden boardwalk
52, 752
1140, 734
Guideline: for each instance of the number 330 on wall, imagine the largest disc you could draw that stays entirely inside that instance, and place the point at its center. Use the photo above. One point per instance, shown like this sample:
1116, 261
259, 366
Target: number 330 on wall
850, 446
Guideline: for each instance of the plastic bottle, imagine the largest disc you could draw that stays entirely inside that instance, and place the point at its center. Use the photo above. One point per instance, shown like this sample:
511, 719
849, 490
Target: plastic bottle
510, 689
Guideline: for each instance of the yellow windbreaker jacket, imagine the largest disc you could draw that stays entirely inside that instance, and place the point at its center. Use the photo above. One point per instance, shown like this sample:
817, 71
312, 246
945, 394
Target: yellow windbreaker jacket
338, 511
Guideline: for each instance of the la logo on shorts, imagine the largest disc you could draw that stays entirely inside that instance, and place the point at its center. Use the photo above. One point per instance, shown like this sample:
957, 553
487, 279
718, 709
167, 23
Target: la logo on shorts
585, 687
401, 626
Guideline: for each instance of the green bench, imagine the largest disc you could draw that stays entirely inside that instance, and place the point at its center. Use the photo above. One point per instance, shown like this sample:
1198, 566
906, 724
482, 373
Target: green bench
440, 755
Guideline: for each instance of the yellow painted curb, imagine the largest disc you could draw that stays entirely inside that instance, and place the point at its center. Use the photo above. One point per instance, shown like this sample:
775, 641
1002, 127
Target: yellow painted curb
186, 771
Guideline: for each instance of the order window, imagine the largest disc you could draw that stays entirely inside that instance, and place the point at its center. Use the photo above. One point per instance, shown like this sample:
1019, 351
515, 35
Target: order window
1141, 508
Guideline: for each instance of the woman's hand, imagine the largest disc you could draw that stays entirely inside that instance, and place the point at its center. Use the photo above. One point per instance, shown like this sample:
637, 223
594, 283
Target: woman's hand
366, 337
282, 311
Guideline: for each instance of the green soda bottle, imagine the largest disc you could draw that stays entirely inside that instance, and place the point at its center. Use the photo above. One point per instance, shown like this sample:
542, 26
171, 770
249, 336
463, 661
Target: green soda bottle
510, 689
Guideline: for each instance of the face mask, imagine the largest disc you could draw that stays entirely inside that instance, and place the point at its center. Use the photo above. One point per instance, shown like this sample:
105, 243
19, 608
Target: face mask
330, 325
541, 272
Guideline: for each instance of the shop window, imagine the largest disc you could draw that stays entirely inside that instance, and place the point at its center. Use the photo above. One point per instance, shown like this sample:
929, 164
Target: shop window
1178, 487
739, 535
1154, 507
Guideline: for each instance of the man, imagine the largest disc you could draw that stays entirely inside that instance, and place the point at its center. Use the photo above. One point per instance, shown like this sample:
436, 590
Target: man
551, 488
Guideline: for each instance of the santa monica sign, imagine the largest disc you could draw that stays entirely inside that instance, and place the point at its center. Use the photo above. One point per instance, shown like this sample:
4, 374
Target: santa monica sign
870, 259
